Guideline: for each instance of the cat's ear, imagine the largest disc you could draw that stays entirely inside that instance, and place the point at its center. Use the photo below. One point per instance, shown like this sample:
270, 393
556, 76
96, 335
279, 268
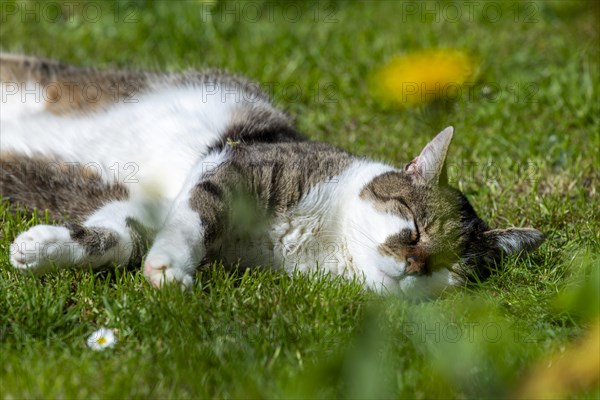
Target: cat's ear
515, 240
428, 167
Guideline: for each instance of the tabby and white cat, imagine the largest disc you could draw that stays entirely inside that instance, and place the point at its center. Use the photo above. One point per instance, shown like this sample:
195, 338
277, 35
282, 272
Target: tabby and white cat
201, 166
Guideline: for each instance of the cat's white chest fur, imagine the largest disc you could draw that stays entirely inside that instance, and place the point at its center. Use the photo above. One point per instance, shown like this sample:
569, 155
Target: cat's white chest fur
330, 229
309, 242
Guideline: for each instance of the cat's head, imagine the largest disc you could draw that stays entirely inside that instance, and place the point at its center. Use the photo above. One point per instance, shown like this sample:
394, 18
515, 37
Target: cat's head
429, 236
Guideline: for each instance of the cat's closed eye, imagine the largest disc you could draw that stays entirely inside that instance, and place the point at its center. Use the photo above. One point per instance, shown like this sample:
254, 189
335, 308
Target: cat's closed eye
408, 236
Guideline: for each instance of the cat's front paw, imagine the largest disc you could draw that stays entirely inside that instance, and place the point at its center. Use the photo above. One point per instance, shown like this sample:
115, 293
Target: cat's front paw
159, 269
41, 247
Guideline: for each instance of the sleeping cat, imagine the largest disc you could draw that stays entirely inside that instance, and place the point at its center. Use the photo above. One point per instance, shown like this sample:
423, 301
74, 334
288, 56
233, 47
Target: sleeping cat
177, 170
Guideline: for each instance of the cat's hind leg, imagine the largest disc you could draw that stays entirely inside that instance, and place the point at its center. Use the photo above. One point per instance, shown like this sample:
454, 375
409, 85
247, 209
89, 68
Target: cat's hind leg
101, 223
116, 234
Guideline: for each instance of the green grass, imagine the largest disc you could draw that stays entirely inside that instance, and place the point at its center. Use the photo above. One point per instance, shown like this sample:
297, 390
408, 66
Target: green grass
526, 156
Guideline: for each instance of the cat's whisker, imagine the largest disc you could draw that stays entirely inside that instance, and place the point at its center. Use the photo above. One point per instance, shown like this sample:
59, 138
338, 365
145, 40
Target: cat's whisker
356, 227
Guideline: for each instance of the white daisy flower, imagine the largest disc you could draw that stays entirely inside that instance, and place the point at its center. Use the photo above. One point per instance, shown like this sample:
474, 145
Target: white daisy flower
101, 339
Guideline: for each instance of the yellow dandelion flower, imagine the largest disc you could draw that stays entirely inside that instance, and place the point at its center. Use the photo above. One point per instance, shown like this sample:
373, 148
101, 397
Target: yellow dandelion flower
422, 77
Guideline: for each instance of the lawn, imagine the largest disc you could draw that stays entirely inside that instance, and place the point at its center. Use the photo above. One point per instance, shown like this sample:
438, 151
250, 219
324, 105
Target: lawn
525, 151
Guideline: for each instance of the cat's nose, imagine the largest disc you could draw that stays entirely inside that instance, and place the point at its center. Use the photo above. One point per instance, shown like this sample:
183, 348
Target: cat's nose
416, 266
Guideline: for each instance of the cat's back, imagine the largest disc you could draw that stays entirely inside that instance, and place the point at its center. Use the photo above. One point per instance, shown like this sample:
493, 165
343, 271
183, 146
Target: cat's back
158, 124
